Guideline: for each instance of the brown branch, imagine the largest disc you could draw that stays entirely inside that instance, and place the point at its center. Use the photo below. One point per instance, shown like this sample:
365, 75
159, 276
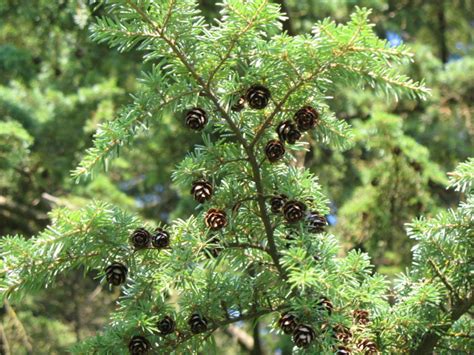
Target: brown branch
183, 337
4, 344
283, 101
257, 349
443, 278
243, 339
431, 338
19, 327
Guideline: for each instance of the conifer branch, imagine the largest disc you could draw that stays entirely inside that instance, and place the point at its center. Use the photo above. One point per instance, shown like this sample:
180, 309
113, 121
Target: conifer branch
235, 129
443, 279
184, 337
233, 43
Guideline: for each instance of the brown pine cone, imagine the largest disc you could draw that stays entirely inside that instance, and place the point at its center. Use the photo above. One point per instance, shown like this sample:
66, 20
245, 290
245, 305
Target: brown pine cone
287, 132
258, 97
216, 219
287, 323
140, 238
197, 323
239, 105
342, 333
202, 190
196, 119
361, 316
342, 350
116, 273
316, 222
303, 336
161, 239
306, 118
274, 150
294, 211
139, 345
166, 326
368, 347
324, 304
277, 202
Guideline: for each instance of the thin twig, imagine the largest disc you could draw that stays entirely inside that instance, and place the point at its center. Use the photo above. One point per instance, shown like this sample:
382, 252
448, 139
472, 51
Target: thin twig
443, 278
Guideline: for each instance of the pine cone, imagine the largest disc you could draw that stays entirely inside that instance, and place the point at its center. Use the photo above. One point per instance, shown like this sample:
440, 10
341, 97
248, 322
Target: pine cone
166, 326
316, 222
216, 219
140, 238
287, 132
324, 304
161, 239
342, 333
368, 347
343, 350
274, 150
139, 345
306, 118
196, 119
239, 105
197, 323
303, 336
258, 96
293, 211
287, 323
277, 202
202, 190
361, 316
116, 273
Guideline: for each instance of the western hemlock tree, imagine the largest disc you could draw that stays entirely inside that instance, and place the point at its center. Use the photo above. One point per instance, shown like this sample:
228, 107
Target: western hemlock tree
257, 245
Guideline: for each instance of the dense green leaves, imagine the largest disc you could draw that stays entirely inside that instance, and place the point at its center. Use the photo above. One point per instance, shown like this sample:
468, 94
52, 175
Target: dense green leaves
260, 262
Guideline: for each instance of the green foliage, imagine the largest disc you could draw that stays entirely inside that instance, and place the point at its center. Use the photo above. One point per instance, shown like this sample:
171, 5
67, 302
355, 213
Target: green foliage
258, 264
396, 172
14, 149
438, 289
462, 179
342, 55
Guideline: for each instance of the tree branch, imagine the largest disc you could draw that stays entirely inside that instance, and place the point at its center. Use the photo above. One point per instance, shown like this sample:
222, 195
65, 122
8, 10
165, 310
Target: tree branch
443, 279
235, 129
183, 337
431, 338
19, 327
244, 340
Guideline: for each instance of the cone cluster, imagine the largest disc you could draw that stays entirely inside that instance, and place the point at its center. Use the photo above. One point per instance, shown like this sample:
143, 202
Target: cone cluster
143, 239
302, 334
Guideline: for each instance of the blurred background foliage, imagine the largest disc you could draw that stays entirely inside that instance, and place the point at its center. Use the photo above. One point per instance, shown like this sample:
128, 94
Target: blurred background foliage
56, 86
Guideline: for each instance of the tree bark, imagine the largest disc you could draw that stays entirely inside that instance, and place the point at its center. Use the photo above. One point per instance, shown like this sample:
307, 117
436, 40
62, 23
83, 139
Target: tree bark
257, 344
4, 346
443, 46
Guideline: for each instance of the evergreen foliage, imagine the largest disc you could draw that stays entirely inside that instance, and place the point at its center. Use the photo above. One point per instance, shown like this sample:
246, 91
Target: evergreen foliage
236, 259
